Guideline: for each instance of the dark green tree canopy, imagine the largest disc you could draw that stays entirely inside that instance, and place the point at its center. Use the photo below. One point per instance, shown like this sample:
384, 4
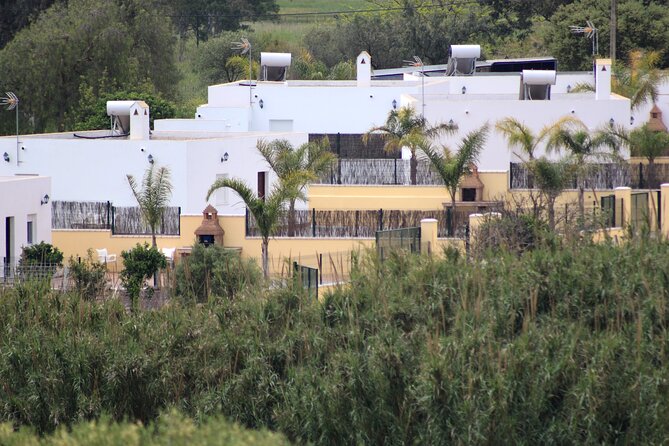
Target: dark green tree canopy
124, 41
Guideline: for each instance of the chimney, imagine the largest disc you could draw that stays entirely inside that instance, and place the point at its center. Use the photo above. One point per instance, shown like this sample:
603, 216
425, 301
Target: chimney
139, 120
603, 79
364, 69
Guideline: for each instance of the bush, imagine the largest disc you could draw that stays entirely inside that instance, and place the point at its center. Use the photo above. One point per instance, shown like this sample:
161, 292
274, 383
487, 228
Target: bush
171, 428
214, 271
139, 264
88, 275
41, 254
562, 344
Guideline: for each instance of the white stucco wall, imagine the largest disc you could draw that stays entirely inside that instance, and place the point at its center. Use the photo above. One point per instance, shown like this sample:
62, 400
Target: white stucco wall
95, 170
20, 198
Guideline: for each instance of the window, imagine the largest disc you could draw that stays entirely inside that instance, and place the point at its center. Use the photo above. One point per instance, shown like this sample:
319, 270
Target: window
262, 185
30, 229
222, 194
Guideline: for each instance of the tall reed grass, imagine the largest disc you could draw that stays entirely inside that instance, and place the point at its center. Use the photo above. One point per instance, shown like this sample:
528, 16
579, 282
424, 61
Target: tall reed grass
564, 344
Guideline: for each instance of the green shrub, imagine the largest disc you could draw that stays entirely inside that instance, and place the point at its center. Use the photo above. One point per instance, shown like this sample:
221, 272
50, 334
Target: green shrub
139, 264
41, 254
89, 276
170, 429
214, 271
560, 344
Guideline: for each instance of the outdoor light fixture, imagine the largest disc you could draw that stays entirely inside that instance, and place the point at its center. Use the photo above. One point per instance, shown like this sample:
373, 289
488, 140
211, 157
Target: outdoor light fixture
631, 120
568, 88
45, 199
261, 103
150, 158
450, 122
464, 89
225, 157
5, 156
394, 104
611, 122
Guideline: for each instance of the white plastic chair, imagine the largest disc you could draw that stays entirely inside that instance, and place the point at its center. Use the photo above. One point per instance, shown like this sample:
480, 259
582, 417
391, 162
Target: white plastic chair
104, 257
169, 254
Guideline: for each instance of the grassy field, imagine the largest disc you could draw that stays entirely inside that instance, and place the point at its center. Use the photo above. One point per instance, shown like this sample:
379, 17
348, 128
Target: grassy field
296, 6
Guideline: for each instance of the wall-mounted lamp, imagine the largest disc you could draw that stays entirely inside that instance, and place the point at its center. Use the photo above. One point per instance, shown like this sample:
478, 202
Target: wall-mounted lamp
225, 157
394, 104
5, 156
150, 158
568, 88
464, 89
631, 120
261, 103
450, 122
611, 122
45, 199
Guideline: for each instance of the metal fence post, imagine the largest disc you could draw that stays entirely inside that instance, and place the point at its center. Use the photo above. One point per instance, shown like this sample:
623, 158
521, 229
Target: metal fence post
380, 226
113, 221
313, 222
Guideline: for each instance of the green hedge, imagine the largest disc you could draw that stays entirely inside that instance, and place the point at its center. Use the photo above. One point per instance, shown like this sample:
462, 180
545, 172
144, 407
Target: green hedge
170, 429
559, 345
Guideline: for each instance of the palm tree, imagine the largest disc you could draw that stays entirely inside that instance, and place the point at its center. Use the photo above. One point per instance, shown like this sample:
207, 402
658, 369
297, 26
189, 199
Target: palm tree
638, 80
405, 128
153, 197
585, 149
649, 144
310, 160
552, 178
451, 167
644, 142
266, 212
519, 136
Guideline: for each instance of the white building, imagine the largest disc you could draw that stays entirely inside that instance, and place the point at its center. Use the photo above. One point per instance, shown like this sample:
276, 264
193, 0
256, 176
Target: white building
25, 216
220, 141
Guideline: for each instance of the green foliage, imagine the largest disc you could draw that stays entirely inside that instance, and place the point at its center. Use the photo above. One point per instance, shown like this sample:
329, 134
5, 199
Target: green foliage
560, 344
89, 276
171, 428
217, 62
41, 254
91, 111
511, 233
153, 196
85, 40
17, 15
139, 264
640, 24
214, 271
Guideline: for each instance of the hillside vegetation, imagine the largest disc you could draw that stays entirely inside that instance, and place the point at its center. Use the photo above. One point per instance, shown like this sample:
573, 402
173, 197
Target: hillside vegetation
563, 344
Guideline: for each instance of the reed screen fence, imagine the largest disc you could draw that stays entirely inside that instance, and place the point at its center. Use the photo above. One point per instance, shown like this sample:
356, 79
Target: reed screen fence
360, 223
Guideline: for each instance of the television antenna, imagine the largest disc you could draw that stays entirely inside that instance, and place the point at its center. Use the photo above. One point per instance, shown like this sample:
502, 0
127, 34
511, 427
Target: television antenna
11, 102
590, 32
418, 63
244, 47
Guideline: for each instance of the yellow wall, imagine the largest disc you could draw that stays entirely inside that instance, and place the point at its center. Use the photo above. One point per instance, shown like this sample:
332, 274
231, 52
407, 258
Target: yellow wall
77, 242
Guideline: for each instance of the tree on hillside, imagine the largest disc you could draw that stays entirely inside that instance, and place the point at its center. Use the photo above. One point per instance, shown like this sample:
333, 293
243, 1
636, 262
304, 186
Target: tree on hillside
640, 24
405, 128
207, 18
452, 166
85, 41
17, 14
306, 162
153, 196
266, 211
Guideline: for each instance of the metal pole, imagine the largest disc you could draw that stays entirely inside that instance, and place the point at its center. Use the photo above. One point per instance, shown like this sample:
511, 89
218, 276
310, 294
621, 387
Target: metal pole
17, 133
614, 25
